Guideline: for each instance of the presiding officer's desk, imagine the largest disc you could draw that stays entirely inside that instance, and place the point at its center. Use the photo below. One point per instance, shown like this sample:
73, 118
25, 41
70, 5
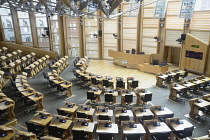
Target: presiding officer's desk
84, 125
147, 67
139, 112
69, 107
129, 128
7, 133
195, 105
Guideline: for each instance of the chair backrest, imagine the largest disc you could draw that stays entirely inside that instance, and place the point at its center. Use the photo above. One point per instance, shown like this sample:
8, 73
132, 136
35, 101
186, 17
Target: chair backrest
129, 98
105, 82
135, 83
34, 128
147, 97
188, 131
63, 113
55, 131
120, 84
109, 98
168, 79
93, 81
103, 117
186, 73
79, 135
105, 136
177, 76
90, 95
81, 115
123, 118
133, 136
162, 135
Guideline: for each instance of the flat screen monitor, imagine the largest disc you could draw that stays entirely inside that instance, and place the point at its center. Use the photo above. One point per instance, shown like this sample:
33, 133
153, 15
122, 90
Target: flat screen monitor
154, 62
194, 55
127, 51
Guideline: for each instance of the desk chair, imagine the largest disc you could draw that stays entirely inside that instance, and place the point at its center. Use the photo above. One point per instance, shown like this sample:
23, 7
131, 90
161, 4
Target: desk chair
45, 76
162, 119
55, 131
161, 136
184, 75
149, 117
3, 116
184, 93
176, 77
104, 117
82, 115
128, 99
106, 83
91, 96
35, 128
79, 135
146, 98
61, 90
134, 84
84, 81
63, 113
132, 136
30, 104
78, 77
123, 118
187, 132
195, 89
105, 136
94, 82
109, 98
120, 85
53, 85
167, 81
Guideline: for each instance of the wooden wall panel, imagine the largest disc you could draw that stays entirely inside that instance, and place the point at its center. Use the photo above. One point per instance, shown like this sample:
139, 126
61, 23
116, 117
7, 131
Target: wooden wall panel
202, 35
151, 23
200, 21
174, 22
148, 32
173, 7
171, 37
148, 12
25, 49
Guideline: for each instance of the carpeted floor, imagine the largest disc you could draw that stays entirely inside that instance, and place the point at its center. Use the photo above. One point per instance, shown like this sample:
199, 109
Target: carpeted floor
51, 102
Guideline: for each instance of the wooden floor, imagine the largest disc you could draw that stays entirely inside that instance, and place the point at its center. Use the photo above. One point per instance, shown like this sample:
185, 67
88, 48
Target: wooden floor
107, 68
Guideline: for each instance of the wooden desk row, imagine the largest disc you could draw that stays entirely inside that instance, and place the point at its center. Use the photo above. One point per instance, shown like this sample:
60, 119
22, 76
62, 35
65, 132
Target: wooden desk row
7, 105
99, 79
15, 66
196, 104
55, 78
139, 93
187, 85
106, 126
80, 63
2, 79
61, 64
161, 77
37, 66
27, 91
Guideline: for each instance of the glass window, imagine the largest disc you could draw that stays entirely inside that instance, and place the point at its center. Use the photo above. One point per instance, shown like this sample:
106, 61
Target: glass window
26, 38
7, 21
41, 22
202, 5
9, 34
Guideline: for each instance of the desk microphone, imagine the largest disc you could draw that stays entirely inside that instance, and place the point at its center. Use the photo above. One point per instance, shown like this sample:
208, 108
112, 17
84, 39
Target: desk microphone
87, 109
133, 125
7, 103
84, 124
179, 122
3, 134
108, 125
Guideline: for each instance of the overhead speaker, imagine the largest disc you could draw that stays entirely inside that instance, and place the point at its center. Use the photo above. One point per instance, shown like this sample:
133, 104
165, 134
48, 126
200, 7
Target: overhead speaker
183, 36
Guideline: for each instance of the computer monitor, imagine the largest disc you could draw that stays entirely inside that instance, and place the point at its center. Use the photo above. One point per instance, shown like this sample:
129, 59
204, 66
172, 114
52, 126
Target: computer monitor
127, 51
154, 62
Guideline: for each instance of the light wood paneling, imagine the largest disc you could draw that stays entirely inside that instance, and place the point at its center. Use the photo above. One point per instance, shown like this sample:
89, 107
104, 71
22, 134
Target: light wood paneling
173, 7
172, 36
174, 22
25, 49
202, 35
150, 23
200, 21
